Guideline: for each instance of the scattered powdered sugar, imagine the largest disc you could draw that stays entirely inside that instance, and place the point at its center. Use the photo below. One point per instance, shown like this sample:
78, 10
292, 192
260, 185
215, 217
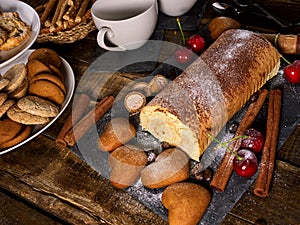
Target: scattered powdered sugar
151, 198
242, 34
221, 202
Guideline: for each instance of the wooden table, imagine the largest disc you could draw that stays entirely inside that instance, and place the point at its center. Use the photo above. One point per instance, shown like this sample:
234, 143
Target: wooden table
41, 183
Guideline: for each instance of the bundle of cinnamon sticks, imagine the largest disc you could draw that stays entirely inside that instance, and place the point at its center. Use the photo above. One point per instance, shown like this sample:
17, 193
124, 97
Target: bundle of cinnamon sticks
61, 15
78, 123
265, 173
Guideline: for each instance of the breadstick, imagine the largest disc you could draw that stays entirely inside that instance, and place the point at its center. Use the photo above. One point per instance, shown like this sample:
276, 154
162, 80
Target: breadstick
70, 2
41, 8
45, 30
88, 14
48, 10
56, 14
66, 24
70, 14
47, 23
81, 11
62, 10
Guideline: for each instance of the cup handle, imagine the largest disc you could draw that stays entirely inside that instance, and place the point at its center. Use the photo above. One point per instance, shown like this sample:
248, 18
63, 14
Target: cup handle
101, 36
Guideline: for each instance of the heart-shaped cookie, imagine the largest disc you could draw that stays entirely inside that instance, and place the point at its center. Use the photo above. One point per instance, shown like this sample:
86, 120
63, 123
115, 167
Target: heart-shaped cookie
186, 203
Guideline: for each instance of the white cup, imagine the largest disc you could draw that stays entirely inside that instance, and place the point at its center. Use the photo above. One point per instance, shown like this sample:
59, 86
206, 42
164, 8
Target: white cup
127, 24
175, 7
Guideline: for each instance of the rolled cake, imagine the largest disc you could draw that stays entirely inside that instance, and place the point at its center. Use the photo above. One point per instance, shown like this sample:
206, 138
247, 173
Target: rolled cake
200, 101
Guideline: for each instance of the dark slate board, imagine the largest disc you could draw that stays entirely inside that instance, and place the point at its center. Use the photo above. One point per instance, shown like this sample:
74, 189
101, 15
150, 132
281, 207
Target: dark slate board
190, 21
221, 203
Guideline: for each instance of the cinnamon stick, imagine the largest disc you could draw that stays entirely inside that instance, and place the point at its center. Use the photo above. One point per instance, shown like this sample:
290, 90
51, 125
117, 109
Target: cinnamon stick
265, 173
89, 120
70, 14
78, 109
225, 168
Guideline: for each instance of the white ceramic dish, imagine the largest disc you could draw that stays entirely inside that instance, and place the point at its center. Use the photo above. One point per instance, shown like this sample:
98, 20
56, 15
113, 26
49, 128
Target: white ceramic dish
28, 15
70, 85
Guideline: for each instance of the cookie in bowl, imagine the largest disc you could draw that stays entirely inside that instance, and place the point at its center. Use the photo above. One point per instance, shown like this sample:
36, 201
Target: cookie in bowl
11, 132
34, 112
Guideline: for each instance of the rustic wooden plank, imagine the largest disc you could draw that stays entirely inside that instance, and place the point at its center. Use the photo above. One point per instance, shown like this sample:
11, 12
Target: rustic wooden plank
282, 204
289, 152
43, 176
61, 183
230, 220
15, 211
42, 173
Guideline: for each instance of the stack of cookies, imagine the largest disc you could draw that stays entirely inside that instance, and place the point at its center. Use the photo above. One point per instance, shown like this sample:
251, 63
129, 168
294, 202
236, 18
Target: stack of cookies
30, 94
45, 78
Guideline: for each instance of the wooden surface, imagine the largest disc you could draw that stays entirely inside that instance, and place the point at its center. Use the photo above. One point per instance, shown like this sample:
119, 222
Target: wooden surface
41, 183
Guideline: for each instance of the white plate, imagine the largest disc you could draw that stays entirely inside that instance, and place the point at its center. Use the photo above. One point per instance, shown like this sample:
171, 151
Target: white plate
28, 15
69, 83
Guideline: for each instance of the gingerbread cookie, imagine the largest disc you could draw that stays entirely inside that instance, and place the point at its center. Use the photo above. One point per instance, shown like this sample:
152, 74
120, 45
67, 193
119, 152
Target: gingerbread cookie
50, 77
47, 56
6, 106
38, 106
3, 83
48, 90
35, 66
21, 136
18, 115
3, 97
55, 70
21, 91
15, 75
186, 203
8, 129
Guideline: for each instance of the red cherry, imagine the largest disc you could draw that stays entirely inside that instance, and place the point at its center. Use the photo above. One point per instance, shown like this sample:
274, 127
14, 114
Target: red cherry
292, 73
183, 55
196, 42
254, 141
247, 165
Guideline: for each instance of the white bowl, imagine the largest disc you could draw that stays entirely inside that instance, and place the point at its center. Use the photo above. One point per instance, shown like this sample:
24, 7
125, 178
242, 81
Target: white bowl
70, 86
28, 15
